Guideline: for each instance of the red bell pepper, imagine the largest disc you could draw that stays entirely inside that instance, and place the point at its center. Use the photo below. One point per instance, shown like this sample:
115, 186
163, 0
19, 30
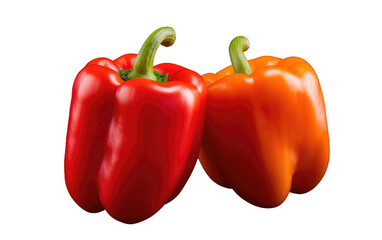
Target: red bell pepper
134, 132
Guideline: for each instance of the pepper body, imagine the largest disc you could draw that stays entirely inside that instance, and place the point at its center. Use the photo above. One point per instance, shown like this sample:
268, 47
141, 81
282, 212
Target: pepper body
132, 145
266, 132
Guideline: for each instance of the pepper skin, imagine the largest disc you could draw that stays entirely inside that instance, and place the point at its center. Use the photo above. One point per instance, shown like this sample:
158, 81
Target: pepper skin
132, 145
265, 132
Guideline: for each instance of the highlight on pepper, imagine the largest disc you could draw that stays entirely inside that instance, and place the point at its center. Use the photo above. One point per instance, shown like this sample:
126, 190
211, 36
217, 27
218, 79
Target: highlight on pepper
266, 132
134, 132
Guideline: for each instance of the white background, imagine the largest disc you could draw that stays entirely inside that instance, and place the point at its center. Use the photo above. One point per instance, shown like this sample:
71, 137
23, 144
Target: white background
44, 44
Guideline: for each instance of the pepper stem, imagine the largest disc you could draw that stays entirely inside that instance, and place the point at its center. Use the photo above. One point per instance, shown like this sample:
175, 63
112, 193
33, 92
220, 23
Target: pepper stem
143, 65
237, 47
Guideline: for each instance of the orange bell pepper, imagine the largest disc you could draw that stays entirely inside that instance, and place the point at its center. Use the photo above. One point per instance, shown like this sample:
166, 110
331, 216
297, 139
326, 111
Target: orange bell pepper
266, 132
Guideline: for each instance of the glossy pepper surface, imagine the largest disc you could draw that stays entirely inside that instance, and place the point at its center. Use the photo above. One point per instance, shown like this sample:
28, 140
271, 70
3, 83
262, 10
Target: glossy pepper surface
266, 132
134, 132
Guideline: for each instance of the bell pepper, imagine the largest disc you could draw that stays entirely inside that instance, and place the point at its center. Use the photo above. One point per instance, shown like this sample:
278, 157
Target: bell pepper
266, 132
134, 132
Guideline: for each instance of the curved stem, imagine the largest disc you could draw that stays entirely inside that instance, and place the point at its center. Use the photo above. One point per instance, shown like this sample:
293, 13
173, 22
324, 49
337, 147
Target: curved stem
143, 65
237, 47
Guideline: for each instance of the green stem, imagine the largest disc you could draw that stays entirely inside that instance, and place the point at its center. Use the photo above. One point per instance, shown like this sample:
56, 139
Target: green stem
237, 47
143, 65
